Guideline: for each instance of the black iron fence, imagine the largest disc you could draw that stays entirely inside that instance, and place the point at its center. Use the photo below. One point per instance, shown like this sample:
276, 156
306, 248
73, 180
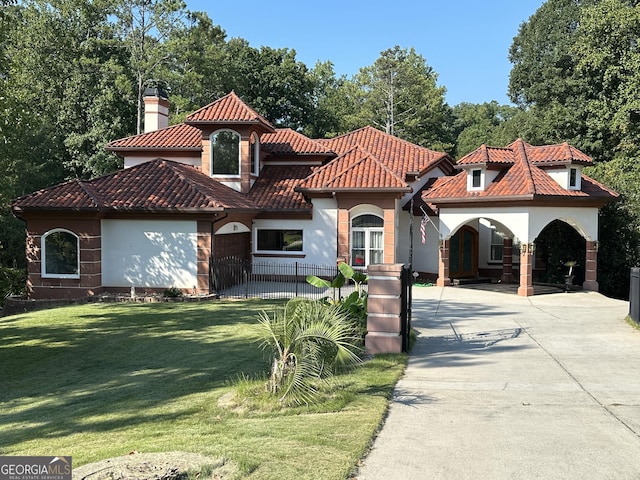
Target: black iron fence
232, 277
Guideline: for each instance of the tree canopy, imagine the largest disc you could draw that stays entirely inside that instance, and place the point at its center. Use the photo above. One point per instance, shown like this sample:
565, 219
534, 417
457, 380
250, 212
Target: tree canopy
72, 73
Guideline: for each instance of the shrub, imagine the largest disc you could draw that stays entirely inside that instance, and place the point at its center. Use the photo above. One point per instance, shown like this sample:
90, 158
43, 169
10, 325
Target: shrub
309, 341
172, 292
12, 282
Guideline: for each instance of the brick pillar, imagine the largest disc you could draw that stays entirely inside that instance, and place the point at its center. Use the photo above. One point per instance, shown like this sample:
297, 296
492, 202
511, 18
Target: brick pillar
343, 235
507, 260
383, 309
203, 256
443, 265
591, 268
389, 239
526, 270
245, 165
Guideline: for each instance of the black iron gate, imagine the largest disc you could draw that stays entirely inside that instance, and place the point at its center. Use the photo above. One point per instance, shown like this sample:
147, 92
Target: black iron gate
405, 307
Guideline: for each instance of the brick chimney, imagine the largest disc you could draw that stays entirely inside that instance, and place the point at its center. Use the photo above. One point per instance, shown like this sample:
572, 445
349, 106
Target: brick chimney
156, 109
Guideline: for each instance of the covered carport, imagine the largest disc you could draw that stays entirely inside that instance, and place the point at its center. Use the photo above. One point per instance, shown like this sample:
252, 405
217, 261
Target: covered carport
520, 189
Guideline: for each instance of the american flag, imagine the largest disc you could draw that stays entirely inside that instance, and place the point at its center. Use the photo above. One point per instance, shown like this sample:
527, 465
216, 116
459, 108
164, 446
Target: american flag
423, 228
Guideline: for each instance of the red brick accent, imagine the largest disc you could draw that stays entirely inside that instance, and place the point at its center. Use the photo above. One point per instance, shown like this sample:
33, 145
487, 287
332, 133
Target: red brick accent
343, 234
443, 265
591, 268
389, 253
203, 256
526, 270
383, 311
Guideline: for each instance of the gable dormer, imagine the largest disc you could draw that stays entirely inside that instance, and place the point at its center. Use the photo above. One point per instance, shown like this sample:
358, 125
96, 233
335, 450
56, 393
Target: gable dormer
230, 141
562, 162
482, 166
568, 177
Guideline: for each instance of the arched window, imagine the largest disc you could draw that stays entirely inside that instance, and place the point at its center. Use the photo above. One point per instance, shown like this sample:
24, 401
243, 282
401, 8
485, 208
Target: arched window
367, 234
60, 254
254, 151
225, 153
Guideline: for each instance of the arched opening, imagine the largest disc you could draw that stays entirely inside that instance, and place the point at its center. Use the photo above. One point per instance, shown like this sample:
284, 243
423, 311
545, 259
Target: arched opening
463, 260
556, 245
60, 254
367, 234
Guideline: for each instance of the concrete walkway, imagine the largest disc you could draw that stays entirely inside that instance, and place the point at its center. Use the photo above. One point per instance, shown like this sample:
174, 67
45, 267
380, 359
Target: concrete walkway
506, 387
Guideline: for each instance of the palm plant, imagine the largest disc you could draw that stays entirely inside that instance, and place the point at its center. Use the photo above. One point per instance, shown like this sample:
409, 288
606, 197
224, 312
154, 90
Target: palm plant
356, 303
309, 342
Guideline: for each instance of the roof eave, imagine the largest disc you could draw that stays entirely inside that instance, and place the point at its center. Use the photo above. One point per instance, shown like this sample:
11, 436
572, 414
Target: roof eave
529, 198
354, 190
151, 149
195, 123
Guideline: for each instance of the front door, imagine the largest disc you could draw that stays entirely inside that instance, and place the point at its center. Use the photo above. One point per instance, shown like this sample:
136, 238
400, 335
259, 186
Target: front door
463, 253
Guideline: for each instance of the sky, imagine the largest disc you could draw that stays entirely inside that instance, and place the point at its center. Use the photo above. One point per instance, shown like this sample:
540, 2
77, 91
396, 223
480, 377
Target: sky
466, 42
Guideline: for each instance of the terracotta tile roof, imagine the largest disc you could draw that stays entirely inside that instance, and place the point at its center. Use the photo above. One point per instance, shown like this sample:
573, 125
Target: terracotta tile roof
274, 189
176, 137
228, 109
357, 169
400, 156
488, 155
554, 154
560, 154
286, 141
522, 177
158, 185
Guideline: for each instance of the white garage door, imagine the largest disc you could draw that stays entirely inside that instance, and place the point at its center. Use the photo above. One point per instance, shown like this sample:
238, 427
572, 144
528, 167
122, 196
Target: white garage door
149, 253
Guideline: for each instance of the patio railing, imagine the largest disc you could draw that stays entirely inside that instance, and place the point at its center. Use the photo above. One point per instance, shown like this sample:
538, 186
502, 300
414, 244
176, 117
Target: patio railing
232, 277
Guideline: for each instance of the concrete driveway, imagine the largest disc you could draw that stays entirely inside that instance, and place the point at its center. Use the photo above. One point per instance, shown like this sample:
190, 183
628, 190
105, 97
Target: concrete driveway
505, 387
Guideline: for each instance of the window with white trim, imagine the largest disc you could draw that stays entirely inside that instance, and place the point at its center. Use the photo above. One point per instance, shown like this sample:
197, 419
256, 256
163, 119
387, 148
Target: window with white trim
225, 153
476, 178
573, 177
275, 240
60, 254
367, 240
497, 244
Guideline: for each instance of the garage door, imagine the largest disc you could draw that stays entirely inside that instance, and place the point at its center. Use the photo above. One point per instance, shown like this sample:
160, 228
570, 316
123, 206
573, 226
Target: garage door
149, 253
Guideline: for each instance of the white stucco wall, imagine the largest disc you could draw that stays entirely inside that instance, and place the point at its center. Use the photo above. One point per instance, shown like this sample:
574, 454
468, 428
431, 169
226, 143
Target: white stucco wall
149, 253
319, 235
425, 256
526, 223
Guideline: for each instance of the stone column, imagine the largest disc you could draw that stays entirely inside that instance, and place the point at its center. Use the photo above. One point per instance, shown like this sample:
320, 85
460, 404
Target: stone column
443, 264
343, 235
384, 309
591, 268
526, 270
245, 165
507, 260
204, 252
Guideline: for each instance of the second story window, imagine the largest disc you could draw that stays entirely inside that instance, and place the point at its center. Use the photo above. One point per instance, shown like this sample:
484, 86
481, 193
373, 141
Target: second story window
225, 153
573, 177
476, 178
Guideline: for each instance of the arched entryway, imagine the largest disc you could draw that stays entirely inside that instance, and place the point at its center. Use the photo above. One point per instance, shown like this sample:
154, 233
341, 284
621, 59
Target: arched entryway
463, 253
558, 246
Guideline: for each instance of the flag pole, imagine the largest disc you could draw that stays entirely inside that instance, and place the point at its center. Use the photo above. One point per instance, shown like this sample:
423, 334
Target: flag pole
425, 214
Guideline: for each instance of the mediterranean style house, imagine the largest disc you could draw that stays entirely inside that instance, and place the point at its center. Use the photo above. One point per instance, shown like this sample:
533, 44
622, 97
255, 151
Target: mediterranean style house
226, 183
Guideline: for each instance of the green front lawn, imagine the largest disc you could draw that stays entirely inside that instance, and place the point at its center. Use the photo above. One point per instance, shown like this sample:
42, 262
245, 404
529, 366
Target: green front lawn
102, 380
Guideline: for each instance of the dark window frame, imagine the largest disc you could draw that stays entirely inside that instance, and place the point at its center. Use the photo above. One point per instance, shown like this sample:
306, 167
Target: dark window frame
279, 240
